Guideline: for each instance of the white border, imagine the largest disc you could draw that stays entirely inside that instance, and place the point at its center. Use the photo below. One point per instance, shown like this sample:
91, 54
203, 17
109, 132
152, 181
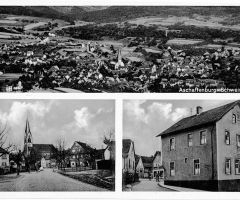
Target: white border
118, 194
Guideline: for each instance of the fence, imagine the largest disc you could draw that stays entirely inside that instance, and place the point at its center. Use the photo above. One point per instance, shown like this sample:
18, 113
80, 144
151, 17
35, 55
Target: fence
74, 169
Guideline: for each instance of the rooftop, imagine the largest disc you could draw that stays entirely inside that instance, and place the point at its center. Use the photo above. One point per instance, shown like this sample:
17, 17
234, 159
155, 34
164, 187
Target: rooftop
204, 118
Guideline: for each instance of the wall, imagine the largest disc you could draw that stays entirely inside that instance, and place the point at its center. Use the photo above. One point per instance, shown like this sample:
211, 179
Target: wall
140, 168
130, 158
4, 160
184, 171
157, 162
228, 151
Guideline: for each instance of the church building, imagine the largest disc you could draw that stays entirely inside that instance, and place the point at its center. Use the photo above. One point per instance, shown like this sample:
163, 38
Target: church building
43, 152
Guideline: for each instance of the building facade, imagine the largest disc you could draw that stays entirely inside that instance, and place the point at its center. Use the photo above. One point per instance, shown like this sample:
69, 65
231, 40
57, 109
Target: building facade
4, 161
81, 155
43, 152
157, 165
128, 156
144, 167
203, 151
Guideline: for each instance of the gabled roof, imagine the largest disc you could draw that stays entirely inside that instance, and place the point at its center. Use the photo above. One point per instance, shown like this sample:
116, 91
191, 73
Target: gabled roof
204, 118
126, 146
84, 145
137, 158
157, 153
3, 151
146, 159
44, 147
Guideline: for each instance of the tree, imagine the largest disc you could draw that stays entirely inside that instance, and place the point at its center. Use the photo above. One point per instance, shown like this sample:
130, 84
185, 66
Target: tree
61, 154
33, 158
3, 139
109, 136
17, 157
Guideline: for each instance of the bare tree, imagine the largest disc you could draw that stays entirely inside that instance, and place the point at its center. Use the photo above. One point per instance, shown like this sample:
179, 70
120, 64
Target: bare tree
61, 154
109, 136
3, 139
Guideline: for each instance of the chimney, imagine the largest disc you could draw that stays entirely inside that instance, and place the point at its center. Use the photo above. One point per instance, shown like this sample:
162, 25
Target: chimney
199, 110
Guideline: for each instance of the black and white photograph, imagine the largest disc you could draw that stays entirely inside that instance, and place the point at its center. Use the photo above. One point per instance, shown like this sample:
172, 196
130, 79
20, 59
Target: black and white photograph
181, 145
57, 145
120, 49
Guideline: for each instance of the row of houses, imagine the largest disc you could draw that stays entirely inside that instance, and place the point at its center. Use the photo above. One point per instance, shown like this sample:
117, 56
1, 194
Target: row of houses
79, 155
201, 151
141, 165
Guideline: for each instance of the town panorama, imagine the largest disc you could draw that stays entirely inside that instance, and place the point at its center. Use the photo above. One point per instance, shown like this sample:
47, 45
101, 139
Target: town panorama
129, 49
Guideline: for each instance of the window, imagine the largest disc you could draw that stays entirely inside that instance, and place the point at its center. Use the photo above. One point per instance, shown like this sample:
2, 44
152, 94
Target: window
228, 166
4, 156
238, 140
172, 144
237, 166
4, 164
203, 137
172, 169
234, 119
227, 137
190, 140
185, 160
196, 165
73, 156
129, 163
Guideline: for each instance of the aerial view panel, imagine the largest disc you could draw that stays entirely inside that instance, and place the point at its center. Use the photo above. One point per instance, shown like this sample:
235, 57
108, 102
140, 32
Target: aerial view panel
119, 49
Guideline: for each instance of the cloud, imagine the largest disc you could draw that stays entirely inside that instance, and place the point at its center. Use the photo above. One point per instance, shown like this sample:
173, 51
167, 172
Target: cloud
153, 112
19, 111
133, 109
102, 110
82, 117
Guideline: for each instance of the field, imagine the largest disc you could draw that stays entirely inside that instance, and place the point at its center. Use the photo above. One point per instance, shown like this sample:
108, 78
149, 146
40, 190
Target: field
197, 20
183, 41
34, 25
9, 76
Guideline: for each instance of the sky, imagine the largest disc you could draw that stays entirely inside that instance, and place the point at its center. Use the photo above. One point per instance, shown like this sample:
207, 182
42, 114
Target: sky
50, 120
143, 120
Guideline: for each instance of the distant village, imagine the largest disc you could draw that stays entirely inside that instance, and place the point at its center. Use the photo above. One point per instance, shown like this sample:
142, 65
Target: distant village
198, 152
134, 65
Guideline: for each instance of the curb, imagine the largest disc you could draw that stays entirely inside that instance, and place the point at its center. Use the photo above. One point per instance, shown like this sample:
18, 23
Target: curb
167, 187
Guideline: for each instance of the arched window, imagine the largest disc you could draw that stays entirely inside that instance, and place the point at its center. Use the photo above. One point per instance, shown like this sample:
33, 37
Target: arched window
234, 120
29, 139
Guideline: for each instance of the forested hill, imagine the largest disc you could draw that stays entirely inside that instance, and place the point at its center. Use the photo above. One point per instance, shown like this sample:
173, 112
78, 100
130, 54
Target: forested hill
117, 13
121, 13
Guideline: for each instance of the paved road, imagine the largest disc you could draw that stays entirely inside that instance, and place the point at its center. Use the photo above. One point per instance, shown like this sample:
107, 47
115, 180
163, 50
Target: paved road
147, 185
46, 180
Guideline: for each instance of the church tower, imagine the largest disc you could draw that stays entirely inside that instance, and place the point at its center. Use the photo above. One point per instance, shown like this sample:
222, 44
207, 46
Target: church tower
28, 140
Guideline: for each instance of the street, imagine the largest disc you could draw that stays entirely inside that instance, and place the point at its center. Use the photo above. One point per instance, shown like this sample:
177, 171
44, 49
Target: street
147, 185
46, 180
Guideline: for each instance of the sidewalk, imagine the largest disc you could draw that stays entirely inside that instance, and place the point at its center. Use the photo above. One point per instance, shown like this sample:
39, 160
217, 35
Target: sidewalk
179, 189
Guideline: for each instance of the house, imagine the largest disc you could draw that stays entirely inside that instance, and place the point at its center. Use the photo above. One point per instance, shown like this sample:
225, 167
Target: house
157, 165
109, 153
128, 156
81, 155
99, 156
44, 151
4, 161
203, 151
144, 166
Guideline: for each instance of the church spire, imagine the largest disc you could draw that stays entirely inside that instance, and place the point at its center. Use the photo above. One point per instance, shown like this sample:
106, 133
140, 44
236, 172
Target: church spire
27, 138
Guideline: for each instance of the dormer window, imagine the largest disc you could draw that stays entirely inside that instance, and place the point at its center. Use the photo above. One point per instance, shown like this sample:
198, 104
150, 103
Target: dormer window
234, 119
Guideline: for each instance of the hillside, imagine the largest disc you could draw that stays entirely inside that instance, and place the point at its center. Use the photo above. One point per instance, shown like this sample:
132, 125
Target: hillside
103, 14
